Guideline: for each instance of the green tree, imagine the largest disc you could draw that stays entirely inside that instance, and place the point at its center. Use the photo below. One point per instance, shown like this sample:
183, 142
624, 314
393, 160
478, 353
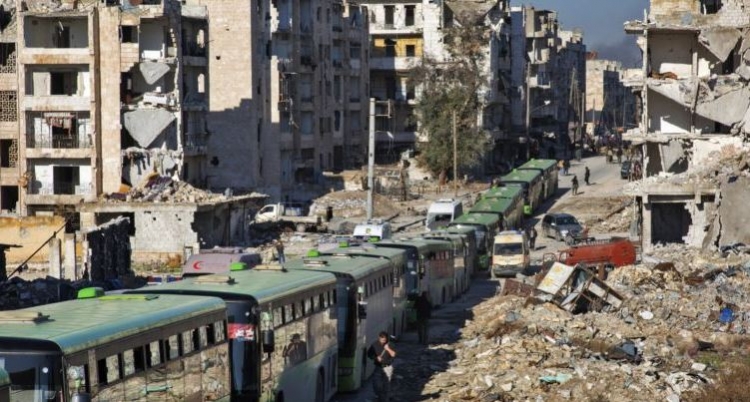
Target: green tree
452, 86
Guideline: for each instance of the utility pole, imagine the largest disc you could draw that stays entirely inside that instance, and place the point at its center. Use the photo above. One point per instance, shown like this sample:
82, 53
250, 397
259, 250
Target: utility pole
455, 157
528, 109
371, 159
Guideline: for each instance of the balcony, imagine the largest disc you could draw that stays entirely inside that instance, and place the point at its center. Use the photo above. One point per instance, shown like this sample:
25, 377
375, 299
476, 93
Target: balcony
57, 141
392, 29
55, 56
58, 192
57, 103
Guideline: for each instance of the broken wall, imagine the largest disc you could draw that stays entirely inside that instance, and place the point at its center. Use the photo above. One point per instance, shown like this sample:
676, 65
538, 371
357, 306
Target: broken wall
108, 250
734, 219
30, 233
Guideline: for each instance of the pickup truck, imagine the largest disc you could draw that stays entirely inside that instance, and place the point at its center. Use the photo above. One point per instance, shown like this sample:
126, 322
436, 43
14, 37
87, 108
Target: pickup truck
286, 214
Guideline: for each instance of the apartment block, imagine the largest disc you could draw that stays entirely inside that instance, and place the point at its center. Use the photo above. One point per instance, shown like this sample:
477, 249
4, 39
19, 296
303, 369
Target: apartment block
317, 106
695, 99
404, 33
9, 152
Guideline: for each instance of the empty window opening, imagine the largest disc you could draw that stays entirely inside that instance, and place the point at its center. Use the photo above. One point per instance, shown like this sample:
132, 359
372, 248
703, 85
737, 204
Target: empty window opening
389, 11
711, 6
8, 198
62, 36
63, 83
409, 21
128, 34
65, 179
390, 48
411, 50
670, 222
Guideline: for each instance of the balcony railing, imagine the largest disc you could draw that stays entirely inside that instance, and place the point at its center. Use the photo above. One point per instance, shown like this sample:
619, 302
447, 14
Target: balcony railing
57, 141
61, 188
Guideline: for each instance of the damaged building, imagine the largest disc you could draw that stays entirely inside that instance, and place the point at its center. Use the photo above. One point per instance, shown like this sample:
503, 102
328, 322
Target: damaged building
403, 34
9, 164
695, 100
610, 100
548, 78
110, 93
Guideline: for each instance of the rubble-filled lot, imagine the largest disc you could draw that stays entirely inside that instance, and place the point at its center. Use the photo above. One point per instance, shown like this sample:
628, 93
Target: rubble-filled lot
683, 322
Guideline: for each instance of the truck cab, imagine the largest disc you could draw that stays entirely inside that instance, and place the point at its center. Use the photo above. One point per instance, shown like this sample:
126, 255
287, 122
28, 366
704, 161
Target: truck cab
442, 212
510, 254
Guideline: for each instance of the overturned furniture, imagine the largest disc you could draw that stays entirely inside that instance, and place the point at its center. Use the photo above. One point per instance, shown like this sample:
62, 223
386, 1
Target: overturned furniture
577, 289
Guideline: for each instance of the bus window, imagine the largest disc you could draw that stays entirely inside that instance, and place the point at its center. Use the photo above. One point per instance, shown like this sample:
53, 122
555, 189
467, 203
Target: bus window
219, 331
77, 376
172, 347
187, 342
154, 354
128, 363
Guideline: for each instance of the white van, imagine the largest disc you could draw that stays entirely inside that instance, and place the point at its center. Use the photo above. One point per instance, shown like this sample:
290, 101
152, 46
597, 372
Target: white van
442, 212
510, 254
372, 229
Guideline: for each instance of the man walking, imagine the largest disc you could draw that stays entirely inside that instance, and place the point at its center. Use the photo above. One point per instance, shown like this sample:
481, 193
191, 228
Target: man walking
532, 238
424, 311
574, 184
280, 251
586, 175
382, 353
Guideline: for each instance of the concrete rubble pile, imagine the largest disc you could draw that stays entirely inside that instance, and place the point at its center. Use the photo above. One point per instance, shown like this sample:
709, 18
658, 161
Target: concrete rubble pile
352, 204
648, 348
165, 189
18, 293
715, 169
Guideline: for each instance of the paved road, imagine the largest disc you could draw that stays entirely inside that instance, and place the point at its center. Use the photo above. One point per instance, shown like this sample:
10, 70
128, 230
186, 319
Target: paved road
418, 363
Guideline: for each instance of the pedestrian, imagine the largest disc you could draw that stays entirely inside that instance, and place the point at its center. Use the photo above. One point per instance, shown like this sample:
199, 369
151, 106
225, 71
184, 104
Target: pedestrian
586, 175
382, 353
574, 183
280, 251
566, 167
423, 308
619, 155
532, 238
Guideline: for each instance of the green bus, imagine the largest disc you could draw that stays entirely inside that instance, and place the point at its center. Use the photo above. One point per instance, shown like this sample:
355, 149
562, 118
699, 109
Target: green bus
469, 235
461, 261
364, 289
511, 204
485, 226
548, 169
269, 306
531, 182
117, 348
400, 274
436, 266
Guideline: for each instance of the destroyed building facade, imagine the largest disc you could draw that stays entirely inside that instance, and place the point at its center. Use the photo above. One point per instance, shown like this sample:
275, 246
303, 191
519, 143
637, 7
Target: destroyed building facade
695, 98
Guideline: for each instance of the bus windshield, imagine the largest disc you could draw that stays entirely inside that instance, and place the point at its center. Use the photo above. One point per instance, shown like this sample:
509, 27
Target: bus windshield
244, 349
34, 376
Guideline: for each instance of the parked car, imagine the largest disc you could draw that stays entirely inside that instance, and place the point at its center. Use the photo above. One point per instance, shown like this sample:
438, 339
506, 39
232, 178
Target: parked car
563, 227
625, 169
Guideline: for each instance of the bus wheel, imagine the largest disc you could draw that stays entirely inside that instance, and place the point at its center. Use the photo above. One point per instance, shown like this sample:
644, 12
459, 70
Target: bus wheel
320, 392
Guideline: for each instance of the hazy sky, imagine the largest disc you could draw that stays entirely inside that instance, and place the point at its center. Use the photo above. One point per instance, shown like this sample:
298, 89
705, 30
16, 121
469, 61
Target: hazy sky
602, 24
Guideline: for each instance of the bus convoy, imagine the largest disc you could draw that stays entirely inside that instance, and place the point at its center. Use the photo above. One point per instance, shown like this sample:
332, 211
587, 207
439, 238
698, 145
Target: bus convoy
296, 331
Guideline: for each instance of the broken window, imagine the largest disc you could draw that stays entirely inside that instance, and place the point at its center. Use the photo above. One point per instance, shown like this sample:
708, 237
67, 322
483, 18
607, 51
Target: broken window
409, 21
63, 83
389, 11
61, 37
128, 34
307, 154
7, 58
355, 51
411, 50
670, 222
373, 17
8, 106
710, 6
8, 153
8, 198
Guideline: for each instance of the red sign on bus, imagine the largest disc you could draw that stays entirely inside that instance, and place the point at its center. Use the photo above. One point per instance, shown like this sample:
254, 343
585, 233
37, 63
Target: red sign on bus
242, 332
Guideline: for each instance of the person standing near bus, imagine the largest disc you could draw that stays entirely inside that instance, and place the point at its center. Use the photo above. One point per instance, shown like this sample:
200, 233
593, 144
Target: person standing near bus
424, 311
574, 182
586, 176
382, 353
280, 251
532, 238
